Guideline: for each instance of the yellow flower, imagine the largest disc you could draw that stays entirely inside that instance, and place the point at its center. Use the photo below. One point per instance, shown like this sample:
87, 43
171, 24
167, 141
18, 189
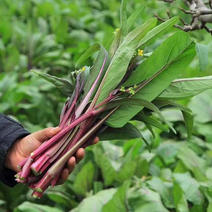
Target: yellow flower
83, 68
140, 52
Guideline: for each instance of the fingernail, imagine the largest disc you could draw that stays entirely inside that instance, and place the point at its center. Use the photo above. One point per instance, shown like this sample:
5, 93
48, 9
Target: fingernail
53, 129
57, 128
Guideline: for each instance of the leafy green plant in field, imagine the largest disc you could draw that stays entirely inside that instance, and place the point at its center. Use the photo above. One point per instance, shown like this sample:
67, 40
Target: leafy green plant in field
123, 83
120, 85
158, 180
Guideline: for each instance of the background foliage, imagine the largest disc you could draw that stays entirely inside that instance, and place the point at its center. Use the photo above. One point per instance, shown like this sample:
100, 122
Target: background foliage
49, 35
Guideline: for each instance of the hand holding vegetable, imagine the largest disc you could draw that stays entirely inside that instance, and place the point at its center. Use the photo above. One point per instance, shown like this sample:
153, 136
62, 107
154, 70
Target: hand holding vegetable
23, 147
115, 89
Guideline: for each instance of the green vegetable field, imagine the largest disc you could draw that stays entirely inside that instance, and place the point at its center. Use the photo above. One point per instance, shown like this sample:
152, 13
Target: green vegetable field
136, 74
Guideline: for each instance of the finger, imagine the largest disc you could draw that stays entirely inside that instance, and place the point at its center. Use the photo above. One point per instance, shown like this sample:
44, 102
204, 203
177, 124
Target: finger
34, 140
71, 164
45, 134
91, 142
80, 154
64, 176
95, 141
28, 145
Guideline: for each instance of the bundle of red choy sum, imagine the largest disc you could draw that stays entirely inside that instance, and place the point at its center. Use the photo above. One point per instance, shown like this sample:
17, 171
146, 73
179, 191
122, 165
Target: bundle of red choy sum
119, 86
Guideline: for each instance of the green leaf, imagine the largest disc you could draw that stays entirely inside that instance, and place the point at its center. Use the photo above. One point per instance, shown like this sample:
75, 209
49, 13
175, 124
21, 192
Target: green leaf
188, 87
149, 127
59, 196
32, 207
179, 199
139, 32
144, 103
95, 69
192, 162
127, 132
128, 167
142, 168
104, 163
165, 192
17, 193
84, 180
66, 87
207, 191
186, 112
198, 208
133, 17
162, 67
122, 58
118, 201
209, 209
158, 30
145, 199
140, 102
123, 17
150, 120
190, 188
202, 53
100, 199
168, 152
90, 51
166, 55
201, 107
115, 43
97, 186
189, 122
135, 101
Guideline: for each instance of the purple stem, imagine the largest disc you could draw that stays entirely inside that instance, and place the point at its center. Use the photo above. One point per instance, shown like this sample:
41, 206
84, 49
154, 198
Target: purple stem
83, 128
54, 170
65, 107
44, 183
108, 99
33, 179
61, 162
55, 180
88, 96
21, 164
37, 194
55, 156
61, 152
73, 104
48, 163
68, 113
26, 169
44, 167
37, 165
59, 135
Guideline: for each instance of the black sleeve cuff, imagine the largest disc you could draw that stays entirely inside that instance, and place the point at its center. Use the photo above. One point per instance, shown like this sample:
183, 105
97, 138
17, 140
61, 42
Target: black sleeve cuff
10, 131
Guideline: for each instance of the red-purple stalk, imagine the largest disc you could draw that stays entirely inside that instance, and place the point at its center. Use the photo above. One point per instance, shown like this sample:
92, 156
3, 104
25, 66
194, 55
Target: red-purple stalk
38, 164
26, 169
54, 139
56, 168
89, 94
77, 129
70, 109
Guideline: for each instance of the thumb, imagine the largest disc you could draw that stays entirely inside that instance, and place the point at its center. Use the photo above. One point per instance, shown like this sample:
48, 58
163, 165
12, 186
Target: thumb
45, 134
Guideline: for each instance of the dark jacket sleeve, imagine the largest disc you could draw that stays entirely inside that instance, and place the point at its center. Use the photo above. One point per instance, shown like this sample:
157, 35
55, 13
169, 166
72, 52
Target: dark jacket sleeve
10, 131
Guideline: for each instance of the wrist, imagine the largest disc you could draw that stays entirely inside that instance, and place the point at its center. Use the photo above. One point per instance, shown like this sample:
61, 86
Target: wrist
12, 159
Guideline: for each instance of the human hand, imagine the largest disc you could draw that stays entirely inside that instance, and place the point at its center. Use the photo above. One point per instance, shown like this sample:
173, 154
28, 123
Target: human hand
23, 147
